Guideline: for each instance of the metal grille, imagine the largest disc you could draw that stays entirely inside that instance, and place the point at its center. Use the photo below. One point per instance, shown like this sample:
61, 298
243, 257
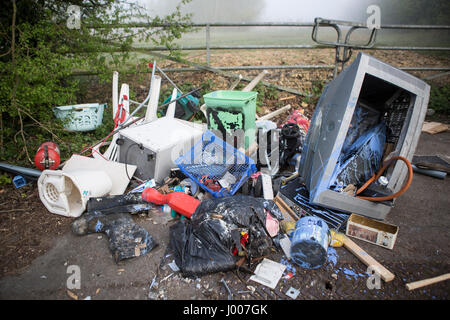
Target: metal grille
396, 115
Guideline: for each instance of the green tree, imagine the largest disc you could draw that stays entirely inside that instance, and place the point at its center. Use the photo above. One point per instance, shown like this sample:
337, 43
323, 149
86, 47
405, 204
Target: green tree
41, 45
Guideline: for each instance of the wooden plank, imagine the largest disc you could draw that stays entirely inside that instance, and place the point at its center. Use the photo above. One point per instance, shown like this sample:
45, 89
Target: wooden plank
287, 212
221, 72
275, 113
368, 260
287, 98
427, 282
255, 81
434, 127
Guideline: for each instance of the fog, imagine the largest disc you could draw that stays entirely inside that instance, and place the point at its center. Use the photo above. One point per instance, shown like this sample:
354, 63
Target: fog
392, 11
264, 10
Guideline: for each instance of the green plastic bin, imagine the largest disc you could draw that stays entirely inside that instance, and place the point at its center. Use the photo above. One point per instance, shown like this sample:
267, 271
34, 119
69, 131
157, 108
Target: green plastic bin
228, 110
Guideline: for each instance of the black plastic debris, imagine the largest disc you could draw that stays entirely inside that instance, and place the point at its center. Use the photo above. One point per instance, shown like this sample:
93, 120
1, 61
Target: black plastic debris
205, 244
296, 195
433, 162
291, 142
127, 239
128, 203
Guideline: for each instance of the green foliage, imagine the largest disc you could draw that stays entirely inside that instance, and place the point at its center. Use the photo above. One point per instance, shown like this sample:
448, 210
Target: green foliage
39, 54
264, 93
314, 94
440, 99
5, 179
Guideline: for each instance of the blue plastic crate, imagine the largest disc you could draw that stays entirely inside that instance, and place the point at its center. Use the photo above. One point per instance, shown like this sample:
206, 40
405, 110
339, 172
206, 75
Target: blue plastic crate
213, 158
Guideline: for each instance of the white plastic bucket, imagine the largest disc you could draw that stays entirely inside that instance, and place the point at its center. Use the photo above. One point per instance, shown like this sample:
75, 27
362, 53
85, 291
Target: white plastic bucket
67, 192
310, 242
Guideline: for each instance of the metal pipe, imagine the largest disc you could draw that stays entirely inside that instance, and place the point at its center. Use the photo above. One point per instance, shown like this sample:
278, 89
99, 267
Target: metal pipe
298, 67
20, 170
258, 24
170, 80
259, 67
251, 47
432, 173
208, 53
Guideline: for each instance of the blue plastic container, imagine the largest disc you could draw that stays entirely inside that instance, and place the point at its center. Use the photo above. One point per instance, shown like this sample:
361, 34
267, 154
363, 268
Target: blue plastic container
19, 182
310, 241
212, 158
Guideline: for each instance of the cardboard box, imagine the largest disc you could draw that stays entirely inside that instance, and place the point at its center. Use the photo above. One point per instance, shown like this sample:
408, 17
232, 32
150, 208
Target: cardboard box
376, 232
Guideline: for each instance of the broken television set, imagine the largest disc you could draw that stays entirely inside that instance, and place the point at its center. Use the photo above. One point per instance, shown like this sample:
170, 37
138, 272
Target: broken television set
369, 113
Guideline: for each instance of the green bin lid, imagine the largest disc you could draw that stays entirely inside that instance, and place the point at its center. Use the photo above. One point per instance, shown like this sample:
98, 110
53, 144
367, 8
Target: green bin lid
230, 95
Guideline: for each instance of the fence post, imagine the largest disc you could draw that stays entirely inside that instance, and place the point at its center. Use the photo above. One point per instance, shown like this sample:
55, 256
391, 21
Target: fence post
207, 44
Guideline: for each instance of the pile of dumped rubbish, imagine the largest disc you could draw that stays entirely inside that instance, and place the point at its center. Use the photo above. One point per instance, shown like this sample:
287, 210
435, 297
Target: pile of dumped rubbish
240, 186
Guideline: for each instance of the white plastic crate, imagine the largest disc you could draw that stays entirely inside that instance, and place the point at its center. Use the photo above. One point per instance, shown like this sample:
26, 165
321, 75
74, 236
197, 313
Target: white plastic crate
80, 117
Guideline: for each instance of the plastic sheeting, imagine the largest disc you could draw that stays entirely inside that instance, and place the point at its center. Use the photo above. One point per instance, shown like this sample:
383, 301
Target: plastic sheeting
126, 238
296, 195
205, 244
362, 120
362, 151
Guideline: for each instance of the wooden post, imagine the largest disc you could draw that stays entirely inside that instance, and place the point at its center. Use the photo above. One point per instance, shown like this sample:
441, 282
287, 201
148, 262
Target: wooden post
362, 255
427, 282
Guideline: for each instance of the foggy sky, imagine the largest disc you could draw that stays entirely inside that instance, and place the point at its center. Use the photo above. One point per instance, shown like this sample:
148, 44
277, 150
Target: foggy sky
268, 10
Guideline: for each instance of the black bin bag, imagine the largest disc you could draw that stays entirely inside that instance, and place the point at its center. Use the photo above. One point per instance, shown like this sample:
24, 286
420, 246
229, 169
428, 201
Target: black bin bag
205, 244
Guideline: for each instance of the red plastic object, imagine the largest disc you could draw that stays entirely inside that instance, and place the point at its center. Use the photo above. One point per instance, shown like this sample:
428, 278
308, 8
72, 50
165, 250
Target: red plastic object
299, 118
120, 115
47, 156
179, 201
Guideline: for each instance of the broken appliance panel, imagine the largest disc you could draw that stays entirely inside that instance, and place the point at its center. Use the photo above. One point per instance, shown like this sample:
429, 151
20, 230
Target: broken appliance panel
370, 112
154, 146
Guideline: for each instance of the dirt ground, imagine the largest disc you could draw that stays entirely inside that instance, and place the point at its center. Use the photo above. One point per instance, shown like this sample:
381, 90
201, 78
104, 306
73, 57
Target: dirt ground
36, 247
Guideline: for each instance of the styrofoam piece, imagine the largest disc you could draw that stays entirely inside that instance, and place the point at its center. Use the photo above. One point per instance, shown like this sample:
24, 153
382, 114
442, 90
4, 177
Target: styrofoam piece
66, 192
152, 107
268, 273
114, 170
267, 186
171, 108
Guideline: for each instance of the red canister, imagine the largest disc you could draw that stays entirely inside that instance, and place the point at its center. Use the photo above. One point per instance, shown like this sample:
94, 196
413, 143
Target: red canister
47, 156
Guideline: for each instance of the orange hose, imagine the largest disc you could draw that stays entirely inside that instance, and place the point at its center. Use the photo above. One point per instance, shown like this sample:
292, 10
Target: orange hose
379, 173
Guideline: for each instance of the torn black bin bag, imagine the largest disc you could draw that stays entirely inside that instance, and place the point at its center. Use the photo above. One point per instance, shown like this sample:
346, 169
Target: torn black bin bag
126, 238
205, 243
